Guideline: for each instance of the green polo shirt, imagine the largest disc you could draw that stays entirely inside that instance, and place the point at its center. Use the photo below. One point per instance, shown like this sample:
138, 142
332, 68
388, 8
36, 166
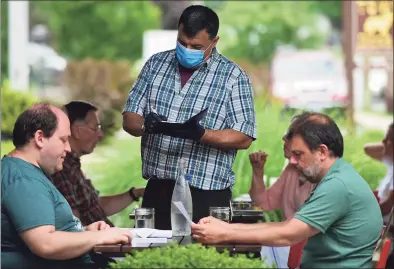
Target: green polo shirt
29, 200
345, 211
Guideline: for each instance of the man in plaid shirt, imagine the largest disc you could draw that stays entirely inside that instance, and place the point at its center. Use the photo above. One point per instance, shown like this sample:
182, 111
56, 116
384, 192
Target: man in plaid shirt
78, 190
175, 85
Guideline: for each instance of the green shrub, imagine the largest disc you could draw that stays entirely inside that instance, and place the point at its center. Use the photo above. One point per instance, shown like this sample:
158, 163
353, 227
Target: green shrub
103, 83
12, 104
188, 256
6, 147
371, 170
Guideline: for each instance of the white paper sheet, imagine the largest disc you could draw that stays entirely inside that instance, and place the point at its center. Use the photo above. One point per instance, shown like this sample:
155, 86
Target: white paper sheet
149, 233
182, 209
145, 242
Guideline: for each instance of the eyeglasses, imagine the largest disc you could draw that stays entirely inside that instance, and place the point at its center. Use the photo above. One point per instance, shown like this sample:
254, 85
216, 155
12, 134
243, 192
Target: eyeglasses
96, 129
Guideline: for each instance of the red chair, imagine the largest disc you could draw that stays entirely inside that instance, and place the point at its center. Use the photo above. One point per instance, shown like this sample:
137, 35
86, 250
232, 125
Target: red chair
295, 255
384, 254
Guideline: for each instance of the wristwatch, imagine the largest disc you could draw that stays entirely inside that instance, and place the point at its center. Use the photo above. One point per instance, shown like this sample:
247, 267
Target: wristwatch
132, 195
143, 128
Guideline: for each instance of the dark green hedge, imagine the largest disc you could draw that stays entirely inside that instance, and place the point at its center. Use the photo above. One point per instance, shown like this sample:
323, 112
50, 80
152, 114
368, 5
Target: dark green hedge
13, 103
189, 256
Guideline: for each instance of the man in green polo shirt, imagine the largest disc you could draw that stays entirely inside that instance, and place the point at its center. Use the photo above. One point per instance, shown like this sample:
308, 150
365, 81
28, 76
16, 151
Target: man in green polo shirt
341, 219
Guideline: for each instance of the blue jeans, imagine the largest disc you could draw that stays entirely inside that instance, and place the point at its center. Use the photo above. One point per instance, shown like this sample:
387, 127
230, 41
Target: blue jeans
277, 255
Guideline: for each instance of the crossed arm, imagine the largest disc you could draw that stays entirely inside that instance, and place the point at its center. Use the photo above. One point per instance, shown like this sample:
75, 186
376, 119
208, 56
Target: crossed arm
374, 150
46, 242
113, 204
387, 204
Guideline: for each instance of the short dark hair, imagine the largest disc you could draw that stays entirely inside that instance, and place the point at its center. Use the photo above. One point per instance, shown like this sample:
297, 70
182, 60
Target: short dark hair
77, 110
297, 119
320, 129
196, 18
37, 117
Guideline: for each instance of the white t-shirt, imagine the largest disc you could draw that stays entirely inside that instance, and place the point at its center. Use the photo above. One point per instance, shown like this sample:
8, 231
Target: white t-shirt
386, 185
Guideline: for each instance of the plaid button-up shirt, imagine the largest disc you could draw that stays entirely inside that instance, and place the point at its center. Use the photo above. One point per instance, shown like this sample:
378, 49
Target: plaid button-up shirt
219, 85
79, 191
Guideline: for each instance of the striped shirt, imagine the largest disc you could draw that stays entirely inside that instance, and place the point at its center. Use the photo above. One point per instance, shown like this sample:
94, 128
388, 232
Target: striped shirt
219, 85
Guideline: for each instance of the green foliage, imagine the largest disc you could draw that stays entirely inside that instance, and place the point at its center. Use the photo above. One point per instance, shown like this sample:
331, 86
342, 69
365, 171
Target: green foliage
188, 256
105, 84
253, 30
332, 9
12, 104
6, 147
371, 170
100, 29
214, 4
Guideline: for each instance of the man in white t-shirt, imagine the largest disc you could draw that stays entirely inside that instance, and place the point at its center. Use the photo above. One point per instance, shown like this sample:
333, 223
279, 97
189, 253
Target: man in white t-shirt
383, 152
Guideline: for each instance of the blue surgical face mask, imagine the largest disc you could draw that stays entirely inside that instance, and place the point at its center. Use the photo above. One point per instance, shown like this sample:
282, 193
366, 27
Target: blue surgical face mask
189, 58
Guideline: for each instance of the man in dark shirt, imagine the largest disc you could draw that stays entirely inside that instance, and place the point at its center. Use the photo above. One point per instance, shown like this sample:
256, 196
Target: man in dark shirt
78, 190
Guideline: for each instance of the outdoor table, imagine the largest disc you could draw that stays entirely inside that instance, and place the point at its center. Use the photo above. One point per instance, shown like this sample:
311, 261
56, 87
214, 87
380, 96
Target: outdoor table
239, 216
120, 250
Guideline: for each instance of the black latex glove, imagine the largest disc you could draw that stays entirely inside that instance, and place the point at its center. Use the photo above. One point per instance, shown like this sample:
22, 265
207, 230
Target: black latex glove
152, 123
191, 129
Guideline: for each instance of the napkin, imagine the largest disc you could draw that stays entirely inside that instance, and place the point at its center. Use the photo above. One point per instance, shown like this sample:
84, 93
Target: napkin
151, 233
143, 237
145, 242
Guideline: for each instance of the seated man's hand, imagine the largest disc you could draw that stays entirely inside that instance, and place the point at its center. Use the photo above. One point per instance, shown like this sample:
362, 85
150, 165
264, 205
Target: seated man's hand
212, 232
115, 235
213, 220
97, 226
139, 192
258, 160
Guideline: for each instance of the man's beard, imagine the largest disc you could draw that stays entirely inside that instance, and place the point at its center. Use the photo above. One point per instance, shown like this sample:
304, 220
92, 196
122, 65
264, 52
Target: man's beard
312, 173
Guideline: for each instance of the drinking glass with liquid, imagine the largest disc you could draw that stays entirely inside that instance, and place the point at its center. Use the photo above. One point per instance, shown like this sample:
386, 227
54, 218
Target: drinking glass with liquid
222, 213
145, 218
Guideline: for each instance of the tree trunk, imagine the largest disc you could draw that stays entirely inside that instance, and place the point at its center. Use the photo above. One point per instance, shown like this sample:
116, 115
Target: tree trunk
171, 11
389, 88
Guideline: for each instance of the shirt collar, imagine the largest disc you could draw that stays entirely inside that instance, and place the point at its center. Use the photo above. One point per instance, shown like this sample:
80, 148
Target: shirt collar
333, 169
212, 59
72, 159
